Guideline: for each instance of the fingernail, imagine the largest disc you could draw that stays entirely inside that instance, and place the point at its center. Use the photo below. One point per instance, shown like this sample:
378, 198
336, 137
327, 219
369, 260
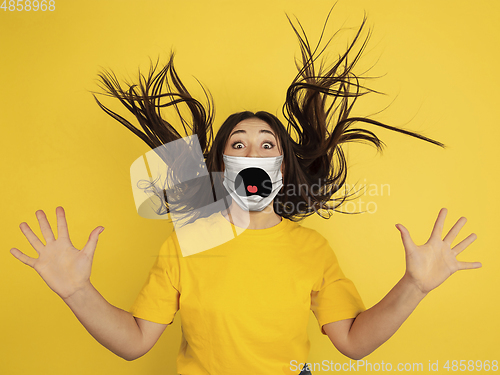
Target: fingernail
100, 231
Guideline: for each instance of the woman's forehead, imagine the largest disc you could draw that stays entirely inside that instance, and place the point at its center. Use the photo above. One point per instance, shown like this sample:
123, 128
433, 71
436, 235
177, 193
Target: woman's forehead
253, 127
252, 123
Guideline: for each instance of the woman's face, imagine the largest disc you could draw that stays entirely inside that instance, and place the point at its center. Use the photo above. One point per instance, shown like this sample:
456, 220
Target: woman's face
252, 138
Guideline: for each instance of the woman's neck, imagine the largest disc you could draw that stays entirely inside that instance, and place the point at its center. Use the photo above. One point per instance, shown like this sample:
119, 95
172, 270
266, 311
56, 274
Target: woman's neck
266, 218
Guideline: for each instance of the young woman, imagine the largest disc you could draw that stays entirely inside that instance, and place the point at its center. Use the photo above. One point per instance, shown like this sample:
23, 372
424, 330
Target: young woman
245, 296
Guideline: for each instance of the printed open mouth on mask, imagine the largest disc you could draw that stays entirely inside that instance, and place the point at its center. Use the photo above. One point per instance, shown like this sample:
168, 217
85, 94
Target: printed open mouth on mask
252, 181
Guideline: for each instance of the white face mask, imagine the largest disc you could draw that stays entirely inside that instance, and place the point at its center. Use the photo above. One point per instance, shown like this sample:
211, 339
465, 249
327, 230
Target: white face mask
252, 182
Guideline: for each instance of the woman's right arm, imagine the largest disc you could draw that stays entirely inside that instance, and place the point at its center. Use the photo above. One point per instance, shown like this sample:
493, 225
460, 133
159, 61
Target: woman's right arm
66, 270
116, 329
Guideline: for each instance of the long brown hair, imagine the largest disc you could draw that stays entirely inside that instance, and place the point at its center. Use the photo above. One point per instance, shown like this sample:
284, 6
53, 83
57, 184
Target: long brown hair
317, 108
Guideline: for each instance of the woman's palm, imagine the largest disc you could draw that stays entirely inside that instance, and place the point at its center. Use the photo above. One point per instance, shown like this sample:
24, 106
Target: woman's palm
63, 267
430, 264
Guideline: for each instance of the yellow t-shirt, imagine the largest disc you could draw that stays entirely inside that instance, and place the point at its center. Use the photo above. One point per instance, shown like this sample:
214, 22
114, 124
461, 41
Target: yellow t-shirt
245, 299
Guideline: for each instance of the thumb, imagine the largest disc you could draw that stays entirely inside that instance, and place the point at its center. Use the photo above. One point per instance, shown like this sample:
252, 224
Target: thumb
405, 236
92, 242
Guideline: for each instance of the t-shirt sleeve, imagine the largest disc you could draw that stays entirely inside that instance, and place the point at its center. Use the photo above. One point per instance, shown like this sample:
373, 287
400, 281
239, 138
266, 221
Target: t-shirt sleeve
334, 297
158, 301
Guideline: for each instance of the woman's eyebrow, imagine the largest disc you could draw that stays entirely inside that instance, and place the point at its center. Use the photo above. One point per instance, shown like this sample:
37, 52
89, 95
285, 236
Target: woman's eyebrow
260, 131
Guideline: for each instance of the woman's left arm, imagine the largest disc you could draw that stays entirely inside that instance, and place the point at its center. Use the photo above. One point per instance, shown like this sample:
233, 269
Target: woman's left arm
427, 267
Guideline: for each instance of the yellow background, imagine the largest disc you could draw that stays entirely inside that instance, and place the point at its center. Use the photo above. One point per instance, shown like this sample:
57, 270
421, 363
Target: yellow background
58, 148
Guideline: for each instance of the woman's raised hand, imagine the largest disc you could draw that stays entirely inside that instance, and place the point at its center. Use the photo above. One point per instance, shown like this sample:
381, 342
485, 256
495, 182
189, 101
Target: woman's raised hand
63, 267
430, 264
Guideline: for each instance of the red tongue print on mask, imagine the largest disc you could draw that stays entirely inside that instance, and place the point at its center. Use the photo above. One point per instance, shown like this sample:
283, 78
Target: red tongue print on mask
252, 189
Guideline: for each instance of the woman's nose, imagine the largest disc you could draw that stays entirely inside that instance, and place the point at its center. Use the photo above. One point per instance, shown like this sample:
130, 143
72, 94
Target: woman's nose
253, 151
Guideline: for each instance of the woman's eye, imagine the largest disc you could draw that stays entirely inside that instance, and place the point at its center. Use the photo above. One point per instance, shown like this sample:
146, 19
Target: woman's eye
235, 143
269, 143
